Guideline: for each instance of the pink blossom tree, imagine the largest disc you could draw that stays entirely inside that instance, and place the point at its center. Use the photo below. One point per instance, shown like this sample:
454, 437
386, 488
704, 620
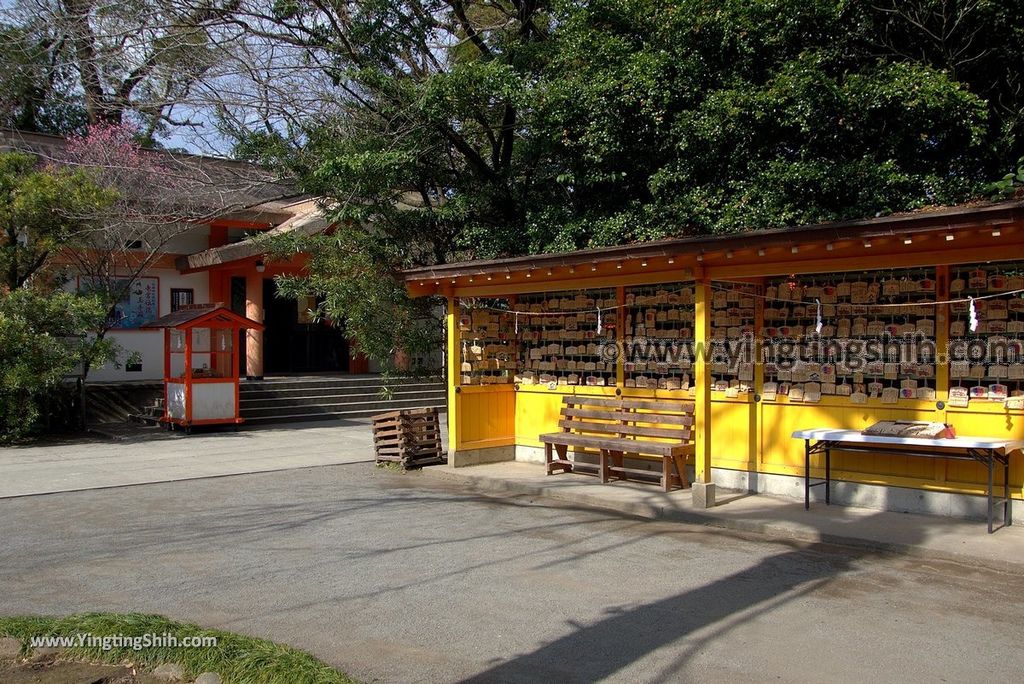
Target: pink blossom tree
158, 196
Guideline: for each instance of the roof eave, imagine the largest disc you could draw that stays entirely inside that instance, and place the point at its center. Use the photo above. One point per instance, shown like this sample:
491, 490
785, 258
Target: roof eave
903, 224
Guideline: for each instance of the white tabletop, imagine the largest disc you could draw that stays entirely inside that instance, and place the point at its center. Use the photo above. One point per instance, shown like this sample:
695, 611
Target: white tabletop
834, 435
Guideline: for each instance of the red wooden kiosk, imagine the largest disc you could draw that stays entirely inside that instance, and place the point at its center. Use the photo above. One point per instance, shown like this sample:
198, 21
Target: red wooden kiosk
201, 364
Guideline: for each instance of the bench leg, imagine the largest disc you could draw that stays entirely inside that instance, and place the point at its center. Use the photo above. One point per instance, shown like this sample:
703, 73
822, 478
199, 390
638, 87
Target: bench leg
680, 462
562, 451
618, 460
666, 473
604, 466
563, 455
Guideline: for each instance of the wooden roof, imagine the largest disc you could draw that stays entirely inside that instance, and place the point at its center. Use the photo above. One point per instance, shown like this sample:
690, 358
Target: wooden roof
202, 316
697, 248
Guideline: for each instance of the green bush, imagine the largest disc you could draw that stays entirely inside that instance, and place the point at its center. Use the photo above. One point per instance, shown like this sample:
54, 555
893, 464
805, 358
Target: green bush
43, 339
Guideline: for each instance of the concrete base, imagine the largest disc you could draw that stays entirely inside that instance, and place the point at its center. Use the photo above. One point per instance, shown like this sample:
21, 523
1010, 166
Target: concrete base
703, 494
472, 457
528, 454
875, 497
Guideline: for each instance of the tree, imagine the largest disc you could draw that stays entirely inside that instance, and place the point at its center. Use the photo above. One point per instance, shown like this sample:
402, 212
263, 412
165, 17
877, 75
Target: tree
537, 126
155, 198
688, 117
419, 102
133, 62
457, 130
35, 94
44, 337
42, 211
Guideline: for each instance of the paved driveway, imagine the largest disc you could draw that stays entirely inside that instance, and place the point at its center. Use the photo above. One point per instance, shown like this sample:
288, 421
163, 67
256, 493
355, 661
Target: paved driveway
156, 456
406, 578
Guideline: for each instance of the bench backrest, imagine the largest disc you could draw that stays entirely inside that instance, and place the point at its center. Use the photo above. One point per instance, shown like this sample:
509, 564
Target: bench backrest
655, 419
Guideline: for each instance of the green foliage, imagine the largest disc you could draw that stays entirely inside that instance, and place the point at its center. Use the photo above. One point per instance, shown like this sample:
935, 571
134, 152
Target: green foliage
236, 658
43, 339
691, 116
1009, 185
559, 125
639, 119
35, 94
42, 209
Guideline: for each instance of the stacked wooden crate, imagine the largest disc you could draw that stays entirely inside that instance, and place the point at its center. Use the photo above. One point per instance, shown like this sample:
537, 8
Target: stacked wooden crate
411, 437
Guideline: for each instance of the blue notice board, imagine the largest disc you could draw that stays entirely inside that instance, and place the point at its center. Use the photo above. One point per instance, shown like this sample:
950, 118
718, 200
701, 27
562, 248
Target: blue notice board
140, 304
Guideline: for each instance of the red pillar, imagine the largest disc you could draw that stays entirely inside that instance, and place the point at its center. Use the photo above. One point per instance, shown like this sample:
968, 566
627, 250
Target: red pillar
357, 360
254, 311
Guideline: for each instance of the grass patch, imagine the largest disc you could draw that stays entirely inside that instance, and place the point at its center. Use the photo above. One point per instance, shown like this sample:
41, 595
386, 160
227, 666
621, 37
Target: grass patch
236, 658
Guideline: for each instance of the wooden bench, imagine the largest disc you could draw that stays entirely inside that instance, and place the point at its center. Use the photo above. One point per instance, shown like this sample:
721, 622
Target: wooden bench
617, 427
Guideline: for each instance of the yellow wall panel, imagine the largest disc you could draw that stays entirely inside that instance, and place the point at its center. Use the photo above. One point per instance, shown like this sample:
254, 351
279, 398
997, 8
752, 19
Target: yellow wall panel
781, 453
993, 422
731, 445
536, 413
486, 417
491, 416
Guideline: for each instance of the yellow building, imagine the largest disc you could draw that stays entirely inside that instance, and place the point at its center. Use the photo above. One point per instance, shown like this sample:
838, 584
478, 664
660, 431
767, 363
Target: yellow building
767, 332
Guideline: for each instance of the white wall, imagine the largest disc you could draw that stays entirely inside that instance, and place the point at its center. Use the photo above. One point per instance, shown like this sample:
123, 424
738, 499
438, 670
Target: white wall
196, 239
150, 343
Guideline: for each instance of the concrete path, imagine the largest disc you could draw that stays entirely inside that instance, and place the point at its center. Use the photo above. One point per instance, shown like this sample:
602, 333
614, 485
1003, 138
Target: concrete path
166, 457
925, 536
98, 463
409, 578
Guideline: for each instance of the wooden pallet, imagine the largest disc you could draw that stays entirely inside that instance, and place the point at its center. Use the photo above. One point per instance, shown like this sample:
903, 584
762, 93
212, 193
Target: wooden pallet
411, 437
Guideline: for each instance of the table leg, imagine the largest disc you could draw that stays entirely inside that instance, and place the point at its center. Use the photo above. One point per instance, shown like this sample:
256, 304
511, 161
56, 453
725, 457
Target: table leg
828, 475
807, 474
990, 467
1007, 502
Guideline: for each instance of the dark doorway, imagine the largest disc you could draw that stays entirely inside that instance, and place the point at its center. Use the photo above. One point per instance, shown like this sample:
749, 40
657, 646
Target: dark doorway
238, 306
291, 345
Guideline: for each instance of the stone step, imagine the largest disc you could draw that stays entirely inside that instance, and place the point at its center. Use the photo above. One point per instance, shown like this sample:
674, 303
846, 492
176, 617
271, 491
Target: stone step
333, 390
378, 406
299, 415
332, 381
114, 403
246, 402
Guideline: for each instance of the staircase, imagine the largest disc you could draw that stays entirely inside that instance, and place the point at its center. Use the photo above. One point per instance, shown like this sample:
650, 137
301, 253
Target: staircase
112, 403
279, 400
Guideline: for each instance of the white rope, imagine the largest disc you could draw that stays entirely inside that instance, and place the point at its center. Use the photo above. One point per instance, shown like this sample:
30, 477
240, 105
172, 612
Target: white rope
563, 312
1009, 293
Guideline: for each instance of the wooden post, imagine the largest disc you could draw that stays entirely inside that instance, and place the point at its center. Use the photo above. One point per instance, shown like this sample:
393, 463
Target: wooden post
754, 442
167, 373
942, 376
620, 336
232, 337
702, 386
453, 365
